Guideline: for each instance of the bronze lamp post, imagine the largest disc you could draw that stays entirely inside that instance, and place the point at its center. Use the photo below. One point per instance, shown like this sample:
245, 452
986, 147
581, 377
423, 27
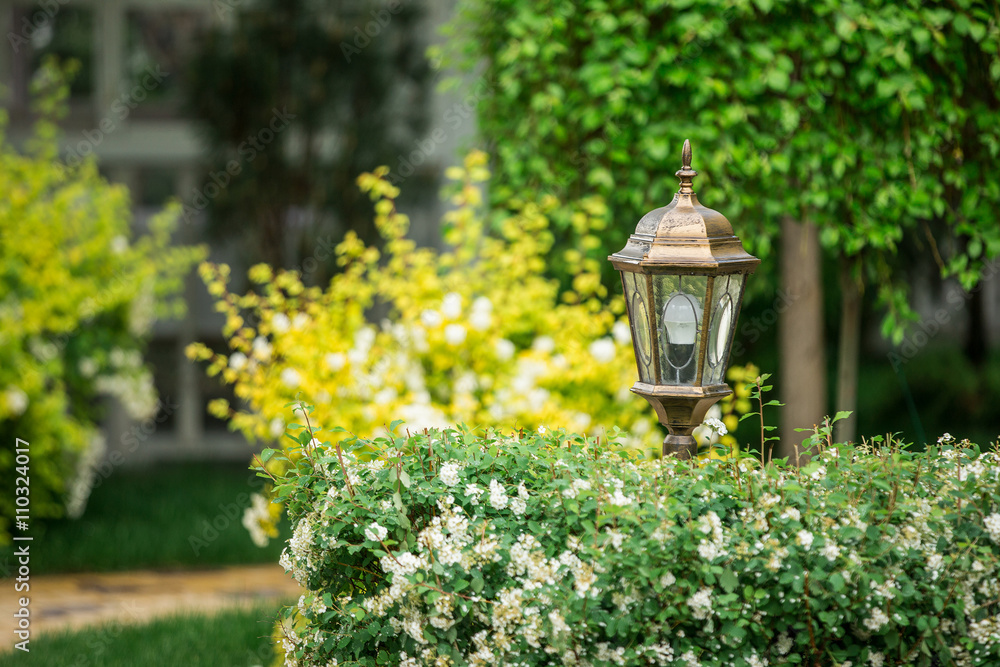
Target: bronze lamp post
683, 272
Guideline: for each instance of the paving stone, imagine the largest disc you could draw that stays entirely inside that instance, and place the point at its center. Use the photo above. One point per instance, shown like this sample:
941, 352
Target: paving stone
75, 601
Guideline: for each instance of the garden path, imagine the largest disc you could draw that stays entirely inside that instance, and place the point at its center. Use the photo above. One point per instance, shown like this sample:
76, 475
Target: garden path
68, 601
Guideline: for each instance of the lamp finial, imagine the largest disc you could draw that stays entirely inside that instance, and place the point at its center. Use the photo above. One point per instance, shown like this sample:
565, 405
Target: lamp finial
686, 173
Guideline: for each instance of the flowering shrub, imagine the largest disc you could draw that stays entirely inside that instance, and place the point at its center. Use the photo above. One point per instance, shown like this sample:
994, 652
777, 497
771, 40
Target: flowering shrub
475, 333
78, 295
452, 548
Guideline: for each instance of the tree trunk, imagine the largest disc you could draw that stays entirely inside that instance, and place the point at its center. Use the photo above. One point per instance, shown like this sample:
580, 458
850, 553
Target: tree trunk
849, 349
802, 363
975, 340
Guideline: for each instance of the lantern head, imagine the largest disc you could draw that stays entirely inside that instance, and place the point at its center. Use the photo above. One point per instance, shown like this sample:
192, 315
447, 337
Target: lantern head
683, 273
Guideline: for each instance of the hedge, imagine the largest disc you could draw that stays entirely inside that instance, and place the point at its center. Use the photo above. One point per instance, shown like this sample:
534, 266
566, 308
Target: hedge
453, 547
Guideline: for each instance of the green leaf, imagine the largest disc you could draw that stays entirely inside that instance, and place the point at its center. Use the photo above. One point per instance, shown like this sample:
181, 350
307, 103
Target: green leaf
729, 581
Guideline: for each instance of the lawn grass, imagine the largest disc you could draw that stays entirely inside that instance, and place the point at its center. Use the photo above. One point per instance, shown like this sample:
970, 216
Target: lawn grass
177, 516
234, 638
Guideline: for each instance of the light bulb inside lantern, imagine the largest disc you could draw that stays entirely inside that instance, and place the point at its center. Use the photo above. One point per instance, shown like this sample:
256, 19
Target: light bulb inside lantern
681, 315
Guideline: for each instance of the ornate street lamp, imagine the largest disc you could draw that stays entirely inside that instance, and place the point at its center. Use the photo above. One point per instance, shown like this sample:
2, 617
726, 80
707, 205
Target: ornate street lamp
683, 272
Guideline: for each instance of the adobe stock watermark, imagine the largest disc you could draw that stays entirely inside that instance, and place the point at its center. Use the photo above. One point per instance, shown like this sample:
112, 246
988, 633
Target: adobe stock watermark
325, 248
224, 7
40, 19
703, 39
137, 434
929, 327
121, 108
454, 117
363, 36
101, 640
758, 325
247, 152
229, 515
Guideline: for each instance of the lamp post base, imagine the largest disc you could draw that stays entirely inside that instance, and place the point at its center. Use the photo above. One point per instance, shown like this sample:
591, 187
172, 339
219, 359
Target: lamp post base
683, 447
681, 410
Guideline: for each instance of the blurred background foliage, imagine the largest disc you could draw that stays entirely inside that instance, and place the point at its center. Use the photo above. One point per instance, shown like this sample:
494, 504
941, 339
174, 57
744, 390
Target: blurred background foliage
79, 291
862, 129
353, 77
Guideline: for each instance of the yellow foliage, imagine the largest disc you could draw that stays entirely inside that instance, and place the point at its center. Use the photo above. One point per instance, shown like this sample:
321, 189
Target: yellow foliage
476, 332
78, 294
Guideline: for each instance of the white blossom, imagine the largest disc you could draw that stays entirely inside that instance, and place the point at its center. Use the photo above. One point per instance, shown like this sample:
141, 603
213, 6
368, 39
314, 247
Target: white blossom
877, 620
335, 361
481, 316
449, 473
701, 604
376, 533
254, 516
716, 425
992, 525
804, 538
473, 491
690, 659
431, 319
280, 323
454, 334
575, 487
622, 332
237, 361
119, 244
17, 401
88, 367
543, 344
791, 513
261, 348
504, 349
603, 350
290, 378
451, 306
498, 495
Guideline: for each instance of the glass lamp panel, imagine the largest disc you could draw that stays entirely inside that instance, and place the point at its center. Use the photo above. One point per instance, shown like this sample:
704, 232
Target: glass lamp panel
678, 302
726, 295
634, 286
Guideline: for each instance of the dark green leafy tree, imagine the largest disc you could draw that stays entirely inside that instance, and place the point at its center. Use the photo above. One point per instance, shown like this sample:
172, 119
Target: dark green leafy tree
855, 133
297, 99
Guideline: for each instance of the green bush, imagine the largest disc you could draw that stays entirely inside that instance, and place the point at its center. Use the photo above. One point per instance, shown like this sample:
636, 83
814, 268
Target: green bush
78, 297
457, 548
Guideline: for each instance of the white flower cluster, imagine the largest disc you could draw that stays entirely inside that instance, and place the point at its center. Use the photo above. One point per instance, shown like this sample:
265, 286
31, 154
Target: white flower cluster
712, 546
472, 533
131, 384
449, 474
716, 425
701, 603
575, 487
255, 517
498, 495
992, 525
376, 533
